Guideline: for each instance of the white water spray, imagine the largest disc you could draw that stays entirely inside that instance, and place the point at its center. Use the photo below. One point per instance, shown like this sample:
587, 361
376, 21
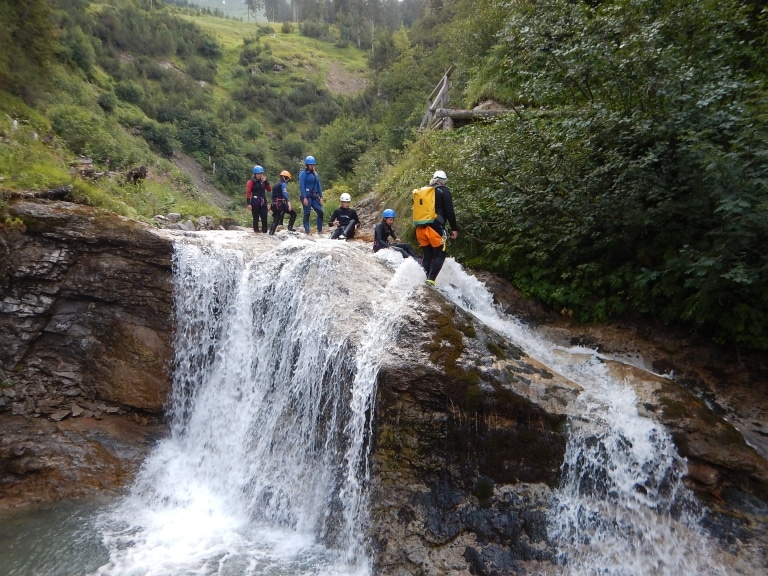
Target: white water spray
622, 509
265, 469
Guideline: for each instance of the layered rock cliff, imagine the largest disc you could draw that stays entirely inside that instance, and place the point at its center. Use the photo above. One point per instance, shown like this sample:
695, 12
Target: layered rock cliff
86, 329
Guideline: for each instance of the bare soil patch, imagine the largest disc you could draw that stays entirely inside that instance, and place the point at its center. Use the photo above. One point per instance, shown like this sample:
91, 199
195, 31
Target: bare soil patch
200, 180
341, 81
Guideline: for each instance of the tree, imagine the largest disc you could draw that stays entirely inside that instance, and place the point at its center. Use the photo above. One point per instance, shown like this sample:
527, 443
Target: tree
642, 189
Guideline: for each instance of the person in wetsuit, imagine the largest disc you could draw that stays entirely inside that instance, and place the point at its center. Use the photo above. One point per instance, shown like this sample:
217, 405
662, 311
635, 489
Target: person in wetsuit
281, 204
433, 238
383, 232
345, 219
256, 196
311, 192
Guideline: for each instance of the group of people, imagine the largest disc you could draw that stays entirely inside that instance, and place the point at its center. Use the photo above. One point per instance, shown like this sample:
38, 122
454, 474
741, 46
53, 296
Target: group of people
279, 202
432, 237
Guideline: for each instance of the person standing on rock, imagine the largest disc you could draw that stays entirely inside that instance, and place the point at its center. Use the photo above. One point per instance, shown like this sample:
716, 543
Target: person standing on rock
433, 237
311, 193
281, 204
384, 231
256, 196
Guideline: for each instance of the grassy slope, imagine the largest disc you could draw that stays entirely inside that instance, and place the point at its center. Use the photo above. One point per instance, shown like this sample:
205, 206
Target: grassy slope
28, 163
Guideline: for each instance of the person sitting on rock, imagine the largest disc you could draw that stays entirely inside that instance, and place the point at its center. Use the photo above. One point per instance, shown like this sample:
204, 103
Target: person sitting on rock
345, 219
384, 231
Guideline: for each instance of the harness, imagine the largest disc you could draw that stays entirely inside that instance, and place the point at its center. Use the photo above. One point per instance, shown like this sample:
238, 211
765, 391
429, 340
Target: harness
258, 191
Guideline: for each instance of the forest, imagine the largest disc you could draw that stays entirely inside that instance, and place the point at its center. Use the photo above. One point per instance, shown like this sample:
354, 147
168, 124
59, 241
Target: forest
629, 178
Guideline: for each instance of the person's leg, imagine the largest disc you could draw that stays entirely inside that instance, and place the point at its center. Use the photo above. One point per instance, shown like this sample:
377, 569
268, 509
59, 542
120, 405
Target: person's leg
426, 263
275, 217
397, 248
349, 231
263, 214
255, 214
437, 263
336, 233
307, 208
291, 220
408, 249
319, 211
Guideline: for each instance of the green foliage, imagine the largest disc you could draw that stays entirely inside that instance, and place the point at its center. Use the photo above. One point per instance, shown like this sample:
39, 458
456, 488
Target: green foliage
29, 44
89, 134
315, 29
129, 91
644, 191
107, 101
79, 49
342, 142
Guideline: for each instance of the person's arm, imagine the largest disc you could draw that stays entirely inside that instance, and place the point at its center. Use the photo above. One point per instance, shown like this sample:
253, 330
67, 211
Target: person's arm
356, 218
450, 213
380, 235
303, 192
284, 191
334, 220
248, 186
319, 188
267, 185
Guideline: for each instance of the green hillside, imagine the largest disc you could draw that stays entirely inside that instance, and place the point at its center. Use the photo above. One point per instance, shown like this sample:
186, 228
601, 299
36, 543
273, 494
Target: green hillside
125, 87
629, 180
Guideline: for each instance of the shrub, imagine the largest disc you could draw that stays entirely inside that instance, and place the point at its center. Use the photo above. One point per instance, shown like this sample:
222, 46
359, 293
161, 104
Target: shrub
129, 91
107, 101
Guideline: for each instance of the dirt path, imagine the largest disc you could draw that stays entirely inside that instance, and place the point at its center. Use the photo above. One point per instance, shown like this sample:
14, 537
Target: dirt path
200, 180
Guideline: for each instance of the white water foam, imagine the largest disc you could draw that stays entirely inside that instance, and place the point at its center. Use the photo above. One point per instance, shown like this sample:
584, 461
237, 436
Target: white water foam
266, 467
622, 509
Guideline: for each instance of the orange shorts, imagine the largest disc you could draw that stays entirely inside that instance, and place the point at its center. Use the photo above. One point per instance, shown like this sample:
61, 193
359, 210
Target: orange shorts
427, 236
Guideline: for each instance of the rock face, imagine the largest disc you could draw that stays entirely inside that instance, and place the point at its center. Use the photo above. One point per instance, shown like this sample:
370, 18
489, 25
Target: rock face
85, 326
469, 443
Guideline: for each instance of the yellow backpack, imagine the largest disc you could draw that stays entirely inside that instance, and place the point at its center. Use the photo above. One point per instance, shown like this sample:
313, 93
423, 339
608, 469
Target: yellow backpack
424, 205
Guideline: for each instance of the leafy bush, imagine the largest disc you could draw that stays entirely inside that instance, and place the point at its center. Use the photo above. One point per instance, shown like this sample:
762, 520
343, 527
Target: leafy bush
159, 136
107, 101
232, 171
641, 190
87, 133
202, 69
129, 91
250, 54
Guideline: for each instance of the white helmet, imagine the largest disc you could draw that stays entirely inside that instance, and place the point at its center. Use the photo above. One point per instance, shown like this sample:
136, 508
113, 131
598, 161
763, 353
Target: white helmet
346, 197
440, 174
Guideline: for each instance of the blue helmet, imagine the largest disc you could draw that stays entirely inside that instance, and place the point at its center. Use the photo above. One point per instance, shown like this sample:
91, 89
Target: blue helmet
258, 169
310, 160
388, 213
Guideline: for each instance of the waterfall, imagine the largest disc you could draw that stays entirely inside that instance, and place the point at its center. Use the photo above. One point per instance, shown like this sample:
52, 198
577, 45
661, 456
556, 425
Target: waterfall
265, 468
266, 465
622, 508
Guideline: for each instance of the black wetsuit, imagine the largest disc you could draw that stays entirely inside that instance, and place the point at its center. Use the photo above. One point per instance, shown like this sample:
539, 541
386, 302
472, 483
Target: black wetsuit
381, 236
347, 221
256, 194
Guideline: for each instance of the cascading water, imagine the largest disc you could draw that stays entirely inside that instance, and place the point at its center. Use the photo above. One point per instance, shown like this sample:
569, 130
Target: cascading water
622, 509
265, 468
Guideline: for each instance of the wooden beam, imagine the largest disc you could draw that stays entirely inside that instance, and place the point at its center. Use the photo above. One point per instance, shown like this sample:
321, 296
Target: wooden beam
456, 114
